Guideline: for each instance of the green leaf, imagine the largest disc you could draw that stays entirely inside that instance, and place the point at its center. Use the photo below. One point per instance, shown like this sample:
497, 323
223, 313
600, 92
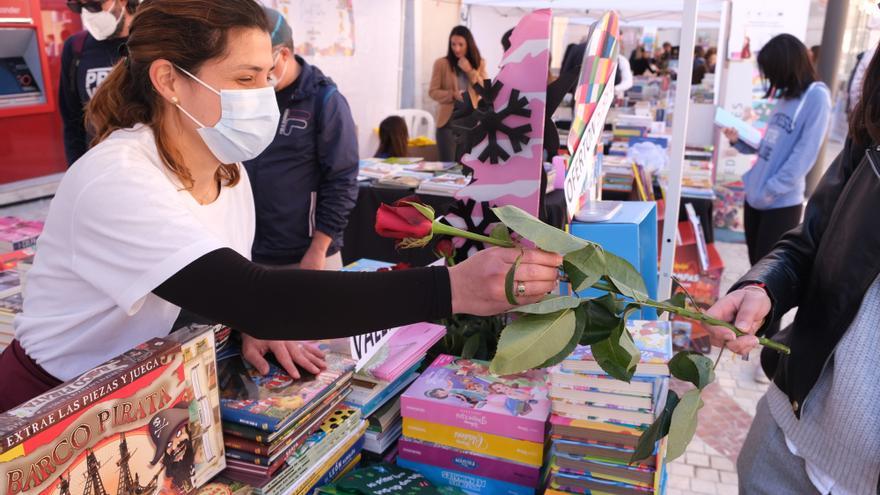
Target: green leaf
509, 280
425, 210
471, 346
625, 277
544, 236
612, 303
584, 267
692, 367
659, 429
618, 355
572, 344
684, 424
531, 340
671, 305
599, 322
549, 304
501, 233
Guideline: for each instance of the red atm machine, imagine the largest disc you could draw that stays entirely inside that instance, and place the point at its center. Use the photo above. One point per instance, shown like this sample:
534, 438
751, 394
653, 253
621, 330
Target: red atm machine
32, 33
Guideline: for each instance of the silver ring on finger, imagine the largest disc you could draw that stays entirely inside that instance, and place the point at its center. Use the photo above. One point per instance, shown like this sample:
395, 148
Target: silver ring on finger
521, 289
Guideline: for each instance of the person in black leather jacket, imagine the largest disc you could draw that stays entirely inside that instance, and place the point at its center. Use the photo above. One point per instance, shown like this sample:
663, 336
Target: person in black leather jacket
824, 267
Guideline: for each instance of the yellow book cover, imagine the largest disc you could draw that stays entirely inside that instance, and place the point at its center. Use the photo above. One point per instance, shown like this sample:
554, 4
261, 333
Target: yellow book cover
320, 468
531, 453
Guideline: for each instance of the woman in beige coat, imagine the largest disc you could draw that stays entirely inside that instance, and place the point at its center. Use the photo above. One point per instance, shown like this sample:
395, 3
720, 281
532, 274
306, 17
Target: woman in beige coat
457, 72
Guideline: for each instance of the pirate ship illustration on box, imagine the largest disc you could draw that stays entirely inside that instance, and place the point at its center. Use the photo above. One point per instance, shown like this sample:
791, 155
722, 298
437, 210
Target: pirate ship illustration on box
144, 423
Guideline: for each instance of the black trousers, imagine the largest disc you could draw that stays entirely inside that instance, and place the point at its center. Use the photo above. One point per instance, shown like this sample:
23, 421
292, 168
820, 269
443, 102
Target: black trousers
446, 148
764, 228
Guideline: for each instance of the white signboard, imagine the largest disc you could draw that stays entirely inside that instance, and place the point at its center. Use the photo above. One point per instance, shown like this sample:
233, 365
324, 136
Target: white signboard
581, 167
364, 347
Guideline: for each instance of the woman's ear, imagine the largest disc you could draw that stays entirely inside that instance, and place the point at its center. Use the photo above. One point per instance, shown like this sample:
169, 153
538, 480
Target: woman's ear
165, 79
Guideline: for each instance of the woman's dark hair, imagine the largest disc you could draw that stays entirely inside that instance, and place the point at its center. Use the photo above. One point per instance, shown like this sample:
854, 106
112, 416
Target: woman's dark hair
187, 33
784, 63
393, 137
472, 53
864, 122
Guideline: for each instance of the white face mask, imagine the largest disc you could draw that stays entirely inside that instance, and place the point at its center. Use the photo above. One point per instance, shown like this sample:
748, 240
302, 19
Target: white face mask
247, 125
101, 25
274, 81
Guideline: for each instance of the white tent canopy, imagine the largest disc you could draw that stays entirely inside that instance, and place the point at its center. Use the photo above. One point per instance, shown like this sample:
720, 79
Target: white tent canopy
654, 14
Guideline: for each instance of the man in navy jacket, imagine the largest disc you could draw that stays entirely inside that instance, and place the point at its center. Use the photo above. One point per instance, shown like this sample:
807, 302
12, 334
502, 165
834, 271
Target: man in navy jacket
305, 182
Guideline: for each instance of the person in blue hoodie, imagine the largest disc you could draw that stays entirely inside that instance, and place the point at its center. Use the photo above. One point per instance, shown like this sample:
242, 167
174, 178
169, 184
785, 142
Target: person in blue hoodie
776, 184
305, 182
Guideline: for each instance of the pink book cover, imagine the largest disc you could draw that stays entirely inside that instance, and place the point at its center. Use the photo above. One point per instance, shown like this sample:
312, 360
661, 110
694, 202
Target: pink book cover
460, 460
405, 347
463, 394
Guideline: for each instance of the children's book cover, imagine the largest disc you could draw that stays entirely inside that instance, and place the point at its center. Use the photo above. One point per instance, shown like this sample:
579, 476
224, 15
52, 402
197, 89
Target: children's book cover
270, 402
462, 393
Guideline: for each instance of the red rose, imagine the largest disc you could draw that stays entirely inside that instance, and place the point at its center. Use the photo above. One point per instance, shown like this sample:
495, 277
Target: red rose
445, 248
403, 220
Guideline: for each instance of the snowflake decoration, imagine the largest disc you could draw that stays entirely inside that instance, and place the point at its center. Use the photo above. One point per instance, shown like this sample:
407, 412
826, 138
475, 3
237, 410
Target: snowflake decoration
484, 122
465, 211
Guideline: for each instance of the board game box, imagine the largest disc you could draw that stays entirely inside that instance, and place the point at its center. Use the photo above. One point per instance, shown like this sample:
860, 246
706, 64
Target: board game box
143, 422
463, 394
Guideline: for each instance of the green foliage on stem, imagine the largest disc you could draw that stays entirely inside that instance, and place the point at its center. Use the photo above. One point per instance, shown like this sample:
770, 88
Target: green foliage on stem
531, 340
683, 424
584, 267
657, 430
549, 304
544, 236
692, 367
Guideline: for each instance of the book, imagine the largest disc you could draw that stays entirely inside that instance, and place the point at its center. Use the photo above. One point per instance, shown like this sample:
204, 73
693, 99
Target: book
259, 437
585, 466
586, 411
469, 462
747, 133
470, 483
463, 394
444, 184
366, 265
370, 396
652, 338
585, 395
599, 450
478, 442
385, 415
242, 462
385, 478
639, 386
430, 166
276, 400
405, 348
378, 442
596, 431
145, 421
588, 485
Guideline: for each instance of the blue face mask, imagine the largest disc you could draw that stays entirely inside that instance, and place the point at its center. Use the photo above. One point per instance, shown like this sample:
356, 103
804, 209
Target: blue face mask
247, 125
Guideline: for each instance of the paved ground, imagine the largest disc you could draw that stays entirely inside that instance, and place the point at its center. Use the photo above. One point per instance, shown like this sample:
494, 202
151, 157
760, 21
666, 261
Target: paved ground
709, 466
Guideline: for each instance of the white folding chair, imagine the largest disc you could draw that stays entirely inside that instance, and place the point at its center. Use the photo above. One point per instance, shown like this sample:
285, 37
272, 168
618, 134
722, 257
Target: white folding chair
418, 122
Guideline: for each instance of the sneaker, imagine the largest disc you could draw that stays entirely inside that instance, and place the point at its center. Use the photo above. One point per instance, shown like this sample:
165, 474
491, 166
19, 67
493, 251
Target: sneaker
759, 375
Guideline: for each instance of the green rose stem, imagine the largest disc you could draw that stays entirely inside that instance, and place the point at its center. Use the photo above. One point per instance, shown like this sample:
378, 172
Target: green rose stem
440, 228
444, 229
603, 285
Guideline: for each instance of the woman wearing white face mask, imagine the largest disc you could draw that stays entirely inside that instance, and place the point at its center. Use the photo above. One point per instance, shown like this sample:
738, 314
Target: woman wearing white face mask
153, 218
87, 58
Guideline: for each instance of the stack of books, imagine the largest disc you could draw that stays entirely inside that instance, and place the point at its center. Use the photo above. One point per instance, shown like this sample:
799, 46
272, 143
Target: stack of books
443, 185
464, 427
596, 420
617, 174
376, 388
282, 435
16, 234
385, 479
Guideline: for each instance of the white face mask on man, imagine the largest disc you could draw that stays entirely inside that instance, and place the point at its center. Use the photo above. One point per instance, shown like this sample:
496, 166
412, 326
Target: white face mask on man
247, 125
102, 25
275, 81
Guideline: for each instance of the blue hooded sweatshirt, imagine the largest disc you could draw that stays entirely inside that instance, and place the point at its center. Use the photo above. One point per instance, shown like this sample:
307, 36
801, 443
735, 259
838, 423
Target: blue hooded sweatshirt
788, 150
306, 180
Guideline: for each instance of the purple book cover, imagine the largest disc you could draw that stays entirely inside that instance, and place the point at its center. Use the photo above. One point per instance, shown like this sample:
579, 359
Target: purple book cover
460, 460
463, 394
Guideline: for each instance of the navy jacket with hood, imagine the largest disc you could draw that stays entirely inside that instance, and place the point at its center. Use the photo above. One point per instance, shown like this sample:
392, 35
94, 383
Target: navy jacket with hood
306, 180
